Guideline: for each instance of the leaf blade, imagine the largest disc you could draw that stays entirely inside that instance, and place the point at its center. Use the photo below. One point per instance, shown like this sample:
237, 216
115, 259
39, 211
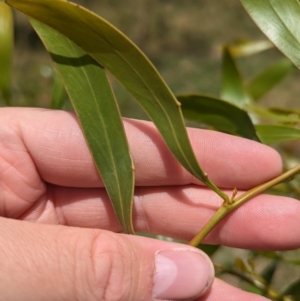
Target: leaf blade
269, 271
111, 49
272, 115
279, 21
85, 81
269, 78
58, 93
271, 134
219, 114
232, 87
247, 48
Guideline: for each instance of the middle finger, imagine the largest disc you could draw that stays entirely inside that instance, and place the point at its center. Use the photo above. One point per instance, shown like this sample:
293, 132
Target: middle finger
265, 222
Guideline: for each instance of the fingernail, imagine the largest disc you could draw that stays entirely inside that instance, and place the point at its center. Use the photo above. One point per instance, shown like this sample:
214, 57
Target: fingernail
181, 274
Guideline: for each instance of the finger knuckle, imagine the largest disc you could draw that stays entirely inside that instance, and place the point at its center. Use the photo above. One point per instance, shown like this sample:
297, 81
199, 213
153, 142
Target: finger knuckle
111, 271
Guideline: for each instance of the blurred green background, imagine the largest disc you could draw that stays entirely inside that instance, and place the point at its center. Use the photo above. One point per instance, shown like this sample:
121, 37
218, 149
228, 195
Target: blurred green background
182, 38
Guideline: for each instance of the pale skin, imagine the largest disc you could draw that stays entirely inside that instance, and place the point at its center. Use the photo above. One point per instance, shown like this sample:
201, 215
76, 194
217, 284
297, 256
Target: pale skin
55, 214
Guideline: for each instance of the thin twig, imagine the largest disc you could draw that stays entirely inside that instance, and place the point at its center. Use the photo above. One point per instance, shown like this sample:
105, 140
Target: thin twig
254, 279
228, 207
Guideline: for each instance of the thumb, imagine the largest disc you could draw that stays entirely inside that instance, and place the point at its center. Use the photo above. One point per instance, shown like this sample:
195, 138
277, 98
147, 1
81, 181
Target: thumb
45, 262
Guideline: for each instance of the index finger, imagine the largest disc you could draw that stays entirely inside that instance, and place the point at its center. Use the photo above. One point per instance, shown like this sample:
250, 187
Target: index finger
54, 143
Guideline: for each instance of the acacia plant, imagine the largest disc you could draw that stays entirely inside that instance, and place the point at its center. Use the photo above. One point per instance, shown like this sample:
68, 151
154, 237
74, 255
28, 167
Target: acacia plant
84, 47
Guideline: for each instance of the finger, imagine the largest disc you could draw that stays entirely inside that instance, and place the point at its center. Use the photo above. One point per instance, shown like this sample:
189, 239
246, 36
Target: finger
49, 144
221, 291
55, 263
265, 222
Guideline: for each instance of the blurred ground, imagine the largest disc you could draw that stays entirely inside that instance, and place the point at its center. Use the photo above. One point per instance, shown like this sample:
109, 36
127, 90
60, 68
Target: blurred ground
181, 38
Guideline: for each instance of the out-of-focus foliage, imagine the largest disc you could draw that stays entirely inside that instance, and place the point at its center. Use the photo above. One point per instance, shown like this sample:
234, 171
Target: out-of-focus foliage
6, 50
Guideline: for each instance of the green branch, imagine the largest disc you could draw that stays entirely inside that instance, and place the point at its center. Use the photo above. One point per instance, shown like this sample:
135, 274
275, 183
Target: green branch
252, 278
231, 205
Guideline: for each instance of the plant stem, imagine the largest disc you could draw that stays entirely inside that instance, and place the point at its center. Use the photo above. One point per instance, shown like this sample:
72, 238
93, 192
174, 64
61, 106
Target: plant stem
227, 206
213, 187
254, 279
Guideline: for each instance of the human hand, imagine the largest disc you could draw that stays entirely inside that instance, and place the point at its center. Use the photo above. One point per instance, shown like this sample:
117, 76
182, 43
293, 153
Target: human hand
68, 248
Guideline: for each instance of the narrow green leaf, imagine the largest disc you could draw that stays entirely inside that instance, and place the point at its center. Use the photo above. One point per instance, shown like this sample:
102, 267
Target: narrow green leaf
270, 115
271, 134
293, 289
285, 111
268, 254
115, 52
279, 21
58, 93
252, 288
6, 51
240, 265
246, 48
269, 78
292, 261
209, 249
94, 103
232, 87
269, 271
218, 114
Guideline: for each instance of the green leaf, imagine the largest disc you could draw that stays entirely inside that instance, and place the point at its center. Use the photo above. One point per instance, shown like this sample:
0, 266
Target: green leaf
279, 21
209, 249
251, 288
218, 114
246, 48
293, 289
115, 52
58, 93
292, 261
240, 265
268, 254
89, 90
269, 271
6, 51
269, 78
232, 87
285, 111
271, 134
270, 115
